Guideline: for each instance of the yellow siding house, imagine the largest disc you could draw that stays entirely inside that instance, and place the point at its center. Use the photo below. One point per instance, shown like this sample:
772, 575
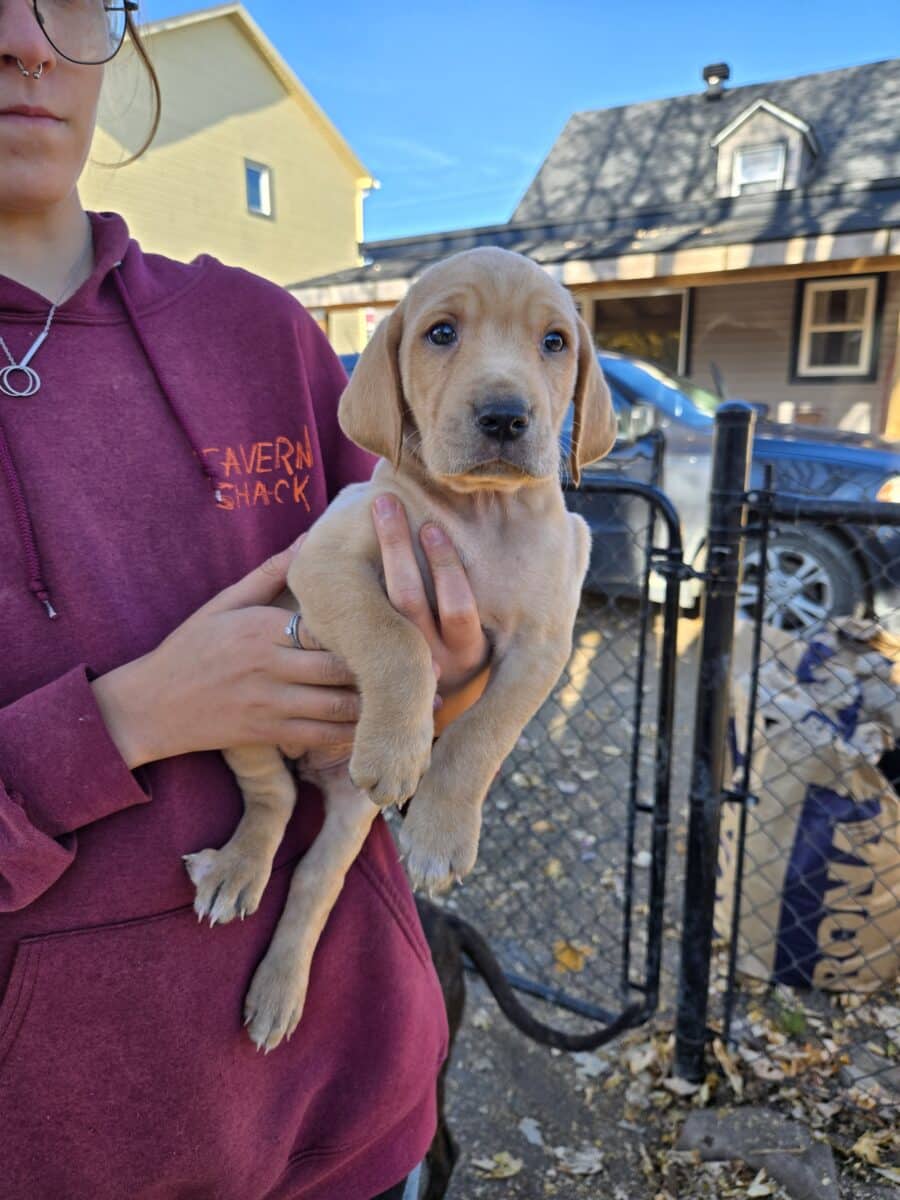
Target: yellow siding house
245, 166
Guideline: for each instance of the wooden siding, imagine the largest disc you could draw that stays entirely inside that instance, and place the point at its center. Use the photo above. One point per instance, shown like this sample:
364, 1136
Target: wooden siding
747, 330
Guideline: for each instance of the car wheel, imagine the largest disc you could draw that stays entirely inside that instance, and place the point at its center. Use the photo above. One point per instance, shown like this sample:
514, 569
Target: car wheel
809, 578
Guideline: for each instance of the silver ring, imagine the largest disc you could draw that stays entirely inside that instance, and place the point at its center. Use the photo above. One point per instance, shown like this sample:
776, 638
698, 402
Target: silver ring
291, 630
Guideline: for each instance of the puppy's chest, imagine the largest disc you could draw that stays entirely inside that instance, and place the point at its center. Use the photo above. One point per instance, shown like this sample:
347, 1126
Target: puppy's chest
507, 575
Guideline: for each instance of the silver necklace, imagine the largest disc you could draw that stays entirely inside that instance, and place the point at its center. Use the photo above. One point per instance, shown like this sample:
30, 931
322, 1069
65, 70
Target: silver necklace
32, 379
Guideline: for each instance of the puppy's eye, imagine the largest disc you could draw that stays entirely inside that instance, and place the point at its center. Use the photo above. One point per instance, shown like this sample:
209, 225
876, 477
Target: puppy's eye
442, 334
554, 342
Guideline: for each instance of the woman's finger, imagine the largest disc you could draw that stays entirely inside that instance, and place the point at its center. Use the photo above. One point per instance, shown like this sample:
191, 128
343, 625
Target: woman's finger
320, 668
305, 702
299, 737
402, 577
305, 638
457, 610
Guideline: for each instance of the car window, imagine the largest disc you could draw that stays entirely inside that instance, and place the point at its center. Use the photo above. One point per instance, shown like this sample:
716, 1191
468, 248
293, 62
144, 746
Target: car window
705, 400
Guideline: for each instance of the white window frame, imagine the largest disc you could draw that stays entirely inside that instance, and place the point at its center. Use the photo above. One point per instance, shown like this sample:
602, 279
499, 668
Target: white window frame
267, 207
811, 288
737, 162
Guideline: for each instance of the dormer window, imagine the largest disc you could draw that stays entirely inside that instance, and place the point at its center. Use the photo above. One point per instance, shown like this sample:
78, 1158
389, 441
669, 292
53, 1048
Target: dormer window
764, 148
758, 169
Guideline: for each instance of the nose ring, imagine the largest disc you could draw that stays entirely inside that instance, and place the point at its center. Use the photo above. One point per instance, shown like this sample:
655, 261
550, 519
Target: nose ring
33, 74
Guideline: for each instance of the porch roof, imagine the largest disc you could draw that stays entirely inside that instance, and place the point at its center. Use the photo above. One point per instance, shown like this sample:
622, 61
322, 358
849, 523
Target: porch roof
817, 225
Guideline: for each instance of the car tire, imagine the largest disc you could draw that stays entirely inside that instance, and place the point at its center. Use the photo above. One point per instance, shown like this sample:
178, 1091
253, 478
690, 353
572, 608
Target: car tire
810, 576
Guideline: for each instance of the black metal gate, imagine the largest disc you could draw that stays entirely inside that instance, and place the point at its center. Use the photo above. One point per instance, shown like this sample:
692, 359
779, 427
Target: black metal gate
805, 808
570, 886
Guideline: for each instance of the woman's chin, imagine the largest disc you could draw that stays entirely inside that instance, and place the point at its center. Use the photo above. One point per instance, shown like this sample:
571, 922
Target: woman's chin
30, 189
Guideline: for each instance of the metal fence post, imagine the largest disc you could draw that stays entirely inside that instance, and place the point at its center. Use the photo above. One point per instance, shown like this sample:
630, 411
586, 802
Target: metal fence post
730, 479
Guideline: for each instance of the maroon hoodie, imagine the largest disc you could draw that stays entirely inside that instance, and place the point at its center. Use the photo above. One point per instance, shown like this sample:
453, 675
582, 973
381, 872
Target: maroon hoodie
124, 1069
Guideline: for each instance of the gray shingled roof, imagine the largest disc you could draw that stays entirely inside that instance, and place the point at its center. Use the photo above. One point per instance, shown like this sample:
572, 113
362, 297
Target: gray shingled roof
657, 154
642, 178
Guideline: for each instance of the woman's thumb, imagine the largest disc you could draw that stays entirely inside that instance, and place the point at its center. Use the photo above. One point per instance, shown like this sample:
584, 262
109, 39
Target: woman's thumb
263, 585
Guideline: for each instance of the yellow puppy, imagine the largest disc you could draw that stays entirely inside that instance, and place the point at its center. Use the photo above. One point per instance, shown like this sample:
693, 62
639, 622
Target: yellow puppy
462, 392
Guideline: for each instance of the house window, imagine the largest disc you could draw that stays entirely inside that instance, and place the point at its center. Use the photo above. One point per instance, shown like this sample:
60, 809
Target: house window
259, 188
758, 169
653, 327
837, 327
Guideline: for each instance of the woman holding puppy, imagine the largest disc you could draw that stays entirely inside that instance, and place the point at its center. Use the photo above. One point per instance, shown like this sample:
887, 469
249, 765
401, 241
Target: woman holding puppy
139, 638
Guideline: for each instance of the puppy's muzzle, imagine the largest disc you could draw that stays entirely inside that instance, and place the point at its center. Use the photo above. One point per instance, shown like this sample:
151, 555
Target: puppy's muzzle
503, 420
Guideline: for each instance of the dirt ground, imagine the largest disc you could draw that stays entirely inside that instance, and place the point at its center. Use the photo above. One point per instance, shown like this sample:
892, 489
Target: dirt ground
588, 1128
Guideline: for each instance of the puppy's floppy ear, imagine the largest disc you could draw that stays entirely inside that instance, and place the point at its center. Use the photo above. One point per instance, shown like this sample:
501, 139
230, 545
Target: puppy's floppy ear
594, 424
371, 407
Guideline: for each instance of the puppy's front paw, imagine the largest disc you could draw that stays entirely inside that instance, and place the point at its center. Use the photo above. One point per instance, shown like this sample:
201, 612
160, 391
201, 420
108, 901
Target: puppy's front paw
438, 850
388, 763
229, 883
276, 998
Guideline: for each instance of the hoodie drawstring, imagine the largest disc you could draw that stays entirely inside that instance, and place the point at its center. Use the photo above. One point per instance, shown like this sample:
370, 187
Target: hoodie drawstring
37, 584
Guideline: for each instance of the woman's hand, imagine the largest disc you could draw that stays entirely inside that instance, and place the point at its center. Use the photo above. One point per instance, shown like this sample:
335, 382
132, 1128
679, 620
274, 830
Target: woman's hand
458, 644
457, 641
229, 676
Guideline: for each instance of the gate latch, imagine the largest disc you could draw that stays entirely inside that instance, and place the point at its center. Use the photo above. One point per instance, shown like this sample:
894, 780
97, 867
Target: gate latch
739, 797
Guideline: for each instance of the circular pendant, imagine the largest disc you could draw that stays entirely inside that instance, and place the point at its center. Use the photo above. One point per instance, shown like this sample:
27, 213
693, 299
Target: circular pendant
32, 382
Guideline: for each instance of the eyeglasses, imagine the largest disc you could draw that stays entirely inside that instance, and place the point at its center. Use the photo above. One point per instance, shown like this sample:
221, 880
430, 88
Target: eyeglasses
88, 32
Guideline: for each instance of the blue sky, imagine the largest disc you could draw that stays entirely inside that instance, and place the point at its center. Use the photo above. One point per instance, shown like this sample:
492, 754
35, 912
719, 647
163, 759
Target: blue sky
453, 107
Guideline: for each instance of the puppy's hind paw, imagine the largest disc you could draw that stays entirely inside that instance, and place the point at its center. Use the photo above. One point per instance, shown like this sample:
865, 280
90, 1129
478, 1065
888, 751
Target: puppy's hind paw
434, 862
229, 884
275, 1001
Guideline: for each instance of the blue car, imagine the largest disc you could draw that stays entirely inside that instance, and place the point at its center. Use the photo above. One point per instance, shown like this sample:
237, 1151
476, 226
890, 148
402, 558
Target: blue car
811, 571
665, 438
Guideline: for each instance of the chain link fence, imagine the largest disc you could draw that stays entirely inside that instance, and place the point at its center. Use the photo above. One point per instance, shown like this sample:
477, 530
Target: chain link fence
809, 895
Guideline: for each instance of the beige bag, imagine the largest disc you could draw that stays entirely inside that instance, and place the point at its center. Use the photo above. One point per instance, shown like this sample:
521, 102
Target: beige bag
821, 888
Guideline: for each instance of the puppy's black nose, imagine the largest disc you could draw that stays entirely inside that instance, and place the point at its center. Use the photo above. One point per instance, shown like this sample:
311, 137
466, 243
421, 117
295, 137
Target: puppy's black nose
503, 420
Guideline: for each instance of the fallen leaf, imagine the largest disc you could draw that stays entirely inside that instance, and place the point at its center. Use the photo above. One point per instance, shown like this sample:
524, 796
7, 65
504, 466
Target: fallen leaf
641, 1058
570, 956
587, 1161
680, 1087
553, 869
589, 1066
531, 1131
888, 1017
761, 1186
501, 1166
868, 1149
729, 1066
891, 1173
